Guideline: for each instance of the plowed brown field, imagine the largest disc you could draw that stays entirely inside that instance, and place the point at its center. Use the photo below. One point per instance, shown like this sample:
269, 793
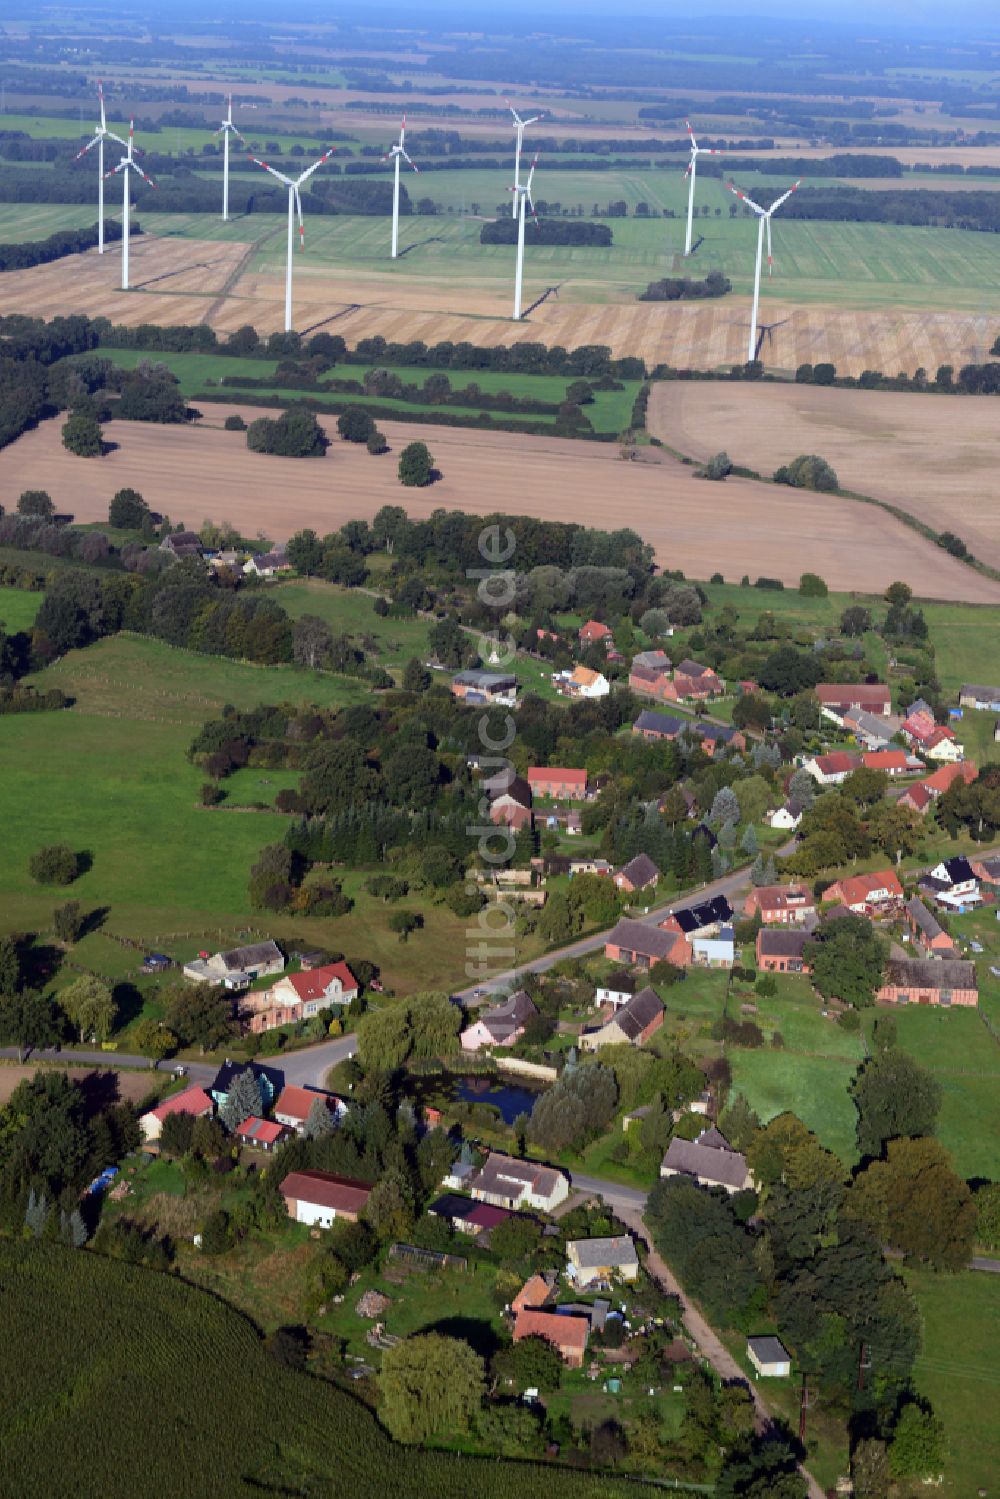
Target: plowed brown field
932, 455
733, 528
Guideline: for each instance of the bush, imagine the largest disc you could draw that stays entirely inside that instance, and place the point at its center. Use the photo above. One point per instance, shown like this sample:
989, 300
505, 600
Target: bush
416, 466
234, 423
808, 472
376, 443
812, 586
355, 424
127, 510
36, 502
718, 467
81, 434
54, 865
294, 434
68, 921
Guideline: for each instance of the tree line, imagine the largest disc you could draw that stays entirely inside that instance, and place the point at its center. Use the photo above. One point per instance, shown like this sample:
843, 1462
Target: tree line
504, 231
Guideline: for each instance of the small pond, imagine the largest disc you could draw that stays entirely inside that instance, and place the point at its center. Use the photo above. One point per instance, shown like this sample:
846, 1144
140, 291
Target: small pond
509, 1099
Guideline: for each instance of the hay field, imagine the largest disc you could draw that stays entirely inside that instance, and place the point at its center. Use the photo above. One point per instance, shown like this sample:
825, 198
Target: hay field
736, 527
932, 455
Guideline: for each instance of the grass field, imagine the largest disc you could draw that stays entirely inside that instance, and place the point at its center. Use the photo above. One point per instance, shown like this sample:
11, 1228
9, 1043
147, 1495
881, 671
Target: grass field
18, 607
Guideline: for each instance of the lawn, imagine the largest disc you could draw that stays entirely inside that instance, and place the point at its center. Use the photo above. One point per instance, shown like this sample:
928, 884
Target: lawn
957, 1370
814, 1088
350, 611
18, 607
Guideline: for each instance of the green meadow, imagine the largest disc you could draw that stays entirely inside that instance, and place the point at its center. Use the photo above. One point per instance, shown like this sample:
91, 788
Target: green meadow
18, 607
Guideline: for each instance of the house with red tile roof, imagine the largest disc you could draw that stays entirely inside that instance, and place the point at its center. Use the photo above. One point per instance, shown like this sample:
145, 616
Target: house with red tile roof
939, 780
319, 1197
567, 1334
261, 1134
193, 1101
942, 745
863, 893
594, 630
294, 1105
780, 905
299, 996
894, 762
917, 798
536, 1292
559, 782
832, 769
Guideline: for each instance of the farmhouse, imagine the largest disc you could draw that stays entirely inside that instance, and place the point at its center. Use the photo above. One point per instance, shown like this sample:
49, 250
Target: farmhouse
710, 1160
926, 928
953, 883
632, 1025
268, 564
594, 630
300, 996
769, 1357
939, 780
588, 1260
780, 904
319, 1197
193, 1101
182, 544
832, 769
589, 866
641, 946
637, 874
929, 981
691, 679
986, 699
237, 968
658, 725
485, 687
512, 808
508, 1183
295, 1104
836, 699
863, 893
870, 729
502, 1025
781, 951
567, 1334
708, 916
892, 762
917, 799
558, 782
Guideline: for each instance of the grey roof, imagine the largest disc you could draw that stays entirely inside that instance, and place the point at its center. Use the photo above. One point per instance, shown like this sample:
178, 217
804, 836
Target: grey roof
769, 1350
485, 679
931, 973
516, 1010
689, 668
875, 726
775, 943
258, 953
636, 936
713, 1139
712, 1164
991, 867
667, 724
977, 690
640, 871
719, 732
596, 1254
923, 918
506, 783
642, 1009
502, 1176
654, 660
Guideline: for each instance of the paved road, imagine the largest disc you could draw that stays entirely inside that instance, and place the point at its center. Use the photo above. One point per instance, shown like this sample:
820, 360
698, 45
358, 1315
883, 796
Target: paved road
980, 1262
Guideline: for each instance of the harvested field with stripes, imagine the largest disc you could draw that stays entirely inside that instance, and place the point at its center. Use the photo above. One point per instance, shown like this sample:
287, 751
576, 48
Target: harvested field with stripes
931, 455
733, 528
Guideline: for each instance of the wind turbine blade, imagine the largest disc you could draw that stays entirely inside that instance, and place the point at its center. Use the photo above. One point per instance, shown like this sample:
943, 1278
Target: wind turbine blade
694, 143
273, 171
302, 227
517, 117
535, 119
530, 175
783, 199
315, 167
100, 95
145, 176
744, 199
687, 170
115, 170
109, 135
409, 159
89, 147
770, 260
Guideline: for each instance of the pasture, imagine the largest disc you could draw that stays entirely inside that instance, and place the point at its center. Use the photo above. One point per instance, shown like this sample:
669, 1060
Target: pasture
18, 608
931, 455
770, 530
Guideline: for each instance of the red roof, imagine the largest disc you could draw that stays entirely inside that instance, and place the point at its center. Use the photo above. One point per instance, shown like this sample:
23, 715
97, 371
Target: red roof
535, 1292
193, 1100
314, 983
261, 1131
565, 1332
557, 773
485, 1215
594, 630
325, 1190
918, 796
885, 759
296, 1102
857, 888
941, 779
853, 693
938, 736
840, 760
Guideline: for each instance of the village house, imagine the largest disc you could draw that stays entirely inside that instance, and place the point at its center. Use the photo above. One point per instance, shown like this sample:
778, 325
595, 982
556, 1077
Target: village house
705, 917
892, 762
478, 1219
917, 799
617, 989
320, 1197
942, 745
268, 564
261, 1134
710, 1160
594, 630
512, 808
509, 1183
300, 996
181, 544
837, 699
710, 950
926, 928
769, 1357
477, 687
581, 682
985, 699
648, 670
226, 561
270, 1080
952, 883
780, 950
295, 1104
237, 968
918, 724
193, 1101
832, 769
929, 981
637, 874
558, 782
604, 1260
986, 870
693, 680
538, 1291
780, 904
658, 725
502, 1025
870, 729
567, 1334
641, 946
589, 866
632, 1025
786, 817
865, 893
939, 780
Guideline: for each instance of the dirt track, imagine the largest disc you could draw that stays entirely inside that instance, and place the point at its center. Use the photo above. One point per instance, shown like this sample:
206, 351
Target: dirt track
932, 455
737, 527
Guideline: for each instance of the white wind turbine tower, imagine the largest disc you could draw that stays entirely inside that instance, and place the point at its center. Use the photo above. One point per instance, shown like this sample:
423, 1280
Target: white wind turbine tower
522, 196
102, 134
226, 129
763, 218
692, 172
395, 154
520, 126
294, 203
126, 165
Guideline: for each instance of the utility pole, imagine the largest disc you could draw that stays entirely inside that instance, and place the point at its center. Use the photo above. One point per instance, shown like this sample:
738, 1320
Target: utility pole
863, 1364
803, 1407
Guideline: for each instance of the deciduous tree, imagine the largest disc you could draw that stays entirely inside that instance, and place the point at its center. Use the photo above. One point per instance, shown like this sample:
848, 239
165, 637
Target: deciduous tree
431, 1386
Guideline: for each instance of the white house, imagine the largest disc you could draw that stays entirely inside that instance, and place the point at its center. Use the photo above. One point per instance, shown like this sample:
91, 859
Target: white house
787, 818
318, 1197
710, 1160
832, 769
588, 1260
769, 1357
509, 1183
942, 747
717, 951
295, 1104
582, 682
617, 989
315, 989
502, 1025
238, 967
194, 1101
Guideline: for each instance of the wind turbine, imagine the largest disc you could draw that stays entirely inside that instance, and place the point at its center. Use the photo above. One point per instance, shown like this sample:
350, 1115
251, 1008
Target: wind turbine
520, 126
522, 195
395, 153
226, 129
126, 165
102, 134
763, 218
692, 172
294, 203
